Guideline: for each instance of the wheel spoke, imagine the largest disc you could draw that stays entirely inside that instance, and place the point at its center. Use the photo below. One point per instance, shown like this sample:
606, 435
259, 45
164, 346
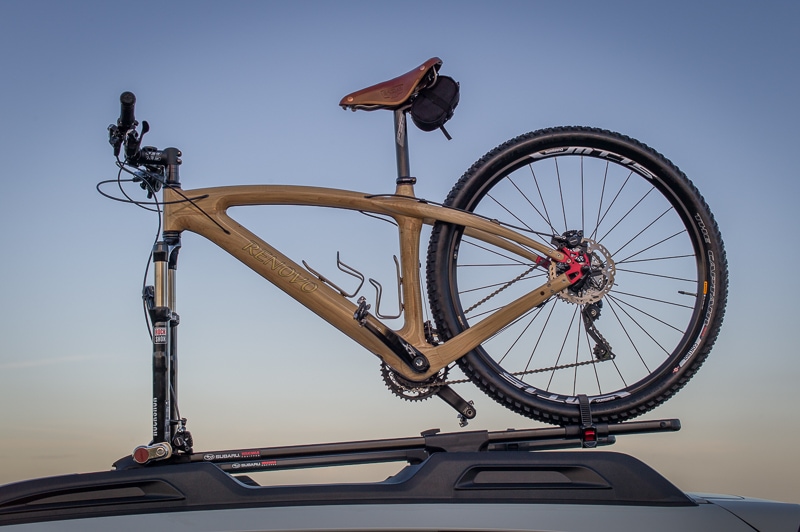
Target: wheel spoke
610, 205
648, 248
518, 336
664, 301
629, 337
651, 274
623, 302
625, 215
493, 251
600, 203
561, 350
517, 218
539, 339
640, 233
577, 355
561, 195
673, 257
544, 203
493, 285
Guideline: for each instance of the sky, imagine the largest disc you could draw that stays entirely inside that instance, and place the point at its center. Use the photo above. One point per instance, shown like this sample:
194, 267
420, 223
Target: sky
249, 91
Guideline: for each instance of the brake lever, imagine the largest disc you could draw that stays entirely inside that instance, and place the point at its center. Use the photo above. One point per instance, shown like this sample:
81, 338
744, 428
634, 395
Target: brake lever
115, 138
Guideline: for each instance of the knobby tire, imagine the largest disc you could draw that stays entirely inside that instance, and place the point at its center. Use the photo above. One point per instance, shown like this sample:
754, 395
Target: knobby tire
663, 294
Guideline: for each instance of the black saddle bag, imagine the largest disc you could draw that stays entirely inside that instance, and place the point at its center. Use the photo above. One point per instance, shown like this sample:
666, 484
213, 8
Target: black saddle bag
434, 105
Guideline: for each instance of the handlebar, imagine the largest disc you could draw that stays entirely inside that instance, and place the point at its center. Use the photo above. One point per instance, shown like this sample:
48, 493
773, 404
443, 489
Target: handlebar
127, 120
124, 133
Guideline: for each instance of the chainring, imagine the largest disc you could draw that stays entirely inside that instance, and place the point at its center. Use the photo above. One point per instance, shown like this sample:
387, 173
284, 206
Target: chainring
409, 390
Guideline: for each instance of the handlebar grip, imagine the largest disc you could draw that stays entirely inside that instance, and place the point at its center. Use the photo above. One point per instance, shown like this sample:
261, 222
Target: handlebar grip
127, 100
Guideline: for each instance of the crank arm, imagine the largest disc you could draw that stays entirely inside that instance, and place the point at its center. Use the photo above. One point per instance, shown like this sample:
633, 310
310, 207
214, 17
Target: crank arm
465, 409
406, 352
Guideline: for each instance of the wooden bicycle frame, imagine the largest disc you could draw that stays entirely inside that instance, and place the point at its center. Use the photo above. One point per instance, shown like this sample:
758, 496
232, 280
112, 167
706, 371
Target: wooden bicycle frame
407, 351
207, 215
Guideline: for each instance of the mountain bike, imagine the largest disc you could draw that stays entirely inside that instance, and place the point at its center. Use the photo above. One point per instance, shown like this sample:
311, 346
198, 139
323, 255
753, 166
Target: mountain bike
572, 273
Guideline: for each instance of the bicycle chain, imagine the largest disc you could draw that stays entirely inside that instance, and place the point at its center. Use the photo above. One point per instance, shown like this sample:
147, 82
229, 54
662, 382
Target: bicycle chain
490, 296
527, 372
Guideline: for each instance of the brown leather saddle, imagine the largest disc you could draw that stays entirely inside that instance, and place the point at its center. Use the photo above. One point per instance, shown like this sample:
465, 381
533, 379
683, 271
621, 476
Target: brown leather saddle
395, 92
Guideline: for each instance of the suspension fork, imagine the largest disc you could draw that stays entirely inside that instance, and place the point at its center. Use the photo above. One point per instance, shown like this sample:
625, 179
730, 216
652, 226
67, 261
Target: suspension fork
169, 430
165, 338
157, 298
165, 322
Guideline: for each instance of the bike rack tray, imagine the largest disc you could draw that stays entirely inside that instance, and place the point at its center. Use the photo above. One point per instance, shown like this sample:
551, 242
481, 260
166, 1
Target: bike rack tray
413, 450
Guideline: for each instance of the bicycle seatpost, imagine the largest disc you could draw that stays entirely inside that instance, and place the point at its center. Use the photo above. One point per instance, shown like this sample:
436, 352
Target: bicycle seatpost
401, 147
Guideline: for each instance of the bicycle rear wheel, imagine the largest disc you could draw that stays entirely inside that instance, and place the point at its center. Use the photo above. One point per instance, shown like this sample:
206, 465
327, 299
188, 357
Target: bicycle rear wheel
659, 280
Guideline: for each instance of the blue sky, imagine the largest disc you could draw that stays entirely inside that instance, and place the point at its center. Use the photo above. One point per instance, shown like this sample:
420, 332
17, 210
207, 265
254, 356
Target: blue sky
249, 91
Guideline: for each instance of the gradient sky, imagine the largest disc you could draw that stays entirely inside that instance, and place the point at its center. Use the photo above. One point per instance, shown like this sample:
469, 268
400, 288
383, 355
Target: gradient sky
249, 91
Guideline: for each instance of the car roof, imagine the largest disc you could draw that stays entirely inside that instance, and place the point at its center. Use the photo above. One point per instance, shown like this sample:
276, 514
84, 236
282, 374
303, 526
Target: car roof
467, 480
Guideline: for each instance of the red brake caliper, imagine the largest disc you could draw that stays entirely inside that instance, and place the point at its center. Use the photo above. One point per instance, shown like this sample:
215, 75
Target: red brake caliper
575, 261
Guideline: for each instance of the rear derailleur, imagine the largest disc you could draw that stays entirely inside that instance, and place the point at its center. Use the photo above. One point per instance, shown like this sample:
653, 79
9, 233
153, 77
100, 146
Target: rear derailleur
602, 349
591, 270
